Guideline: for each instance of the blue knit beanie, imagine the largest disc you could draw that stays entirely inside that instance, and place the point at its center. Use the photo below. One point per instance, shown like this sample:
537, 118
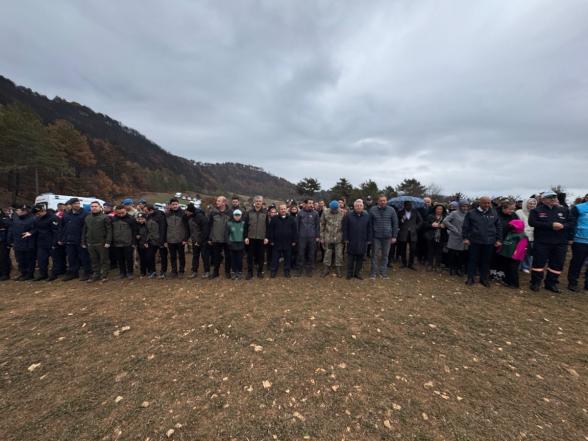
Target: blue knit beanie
333, 205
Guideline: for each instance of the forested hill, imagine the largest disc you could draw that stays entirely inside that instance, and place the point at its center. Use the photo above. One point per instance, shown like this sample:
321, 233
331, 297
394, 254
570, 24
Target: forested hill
61, 146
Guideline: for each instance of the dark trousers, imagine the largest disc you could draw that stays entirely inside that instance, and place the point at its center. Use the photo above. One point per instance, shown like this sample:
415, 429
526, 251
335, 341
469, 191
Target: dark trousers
163, 258
26, 261
221, 250
411, 245
58, 260
5, 263
434, 253
286, 254
456, 260
77, 257
479, 260
306, 253
354, 264
147, 259
124, 258
177, 252
43, 255
196, 252
579, 256
255, 255
236, 261
112, 258
511, 271
206, 254
552, 255
99, 257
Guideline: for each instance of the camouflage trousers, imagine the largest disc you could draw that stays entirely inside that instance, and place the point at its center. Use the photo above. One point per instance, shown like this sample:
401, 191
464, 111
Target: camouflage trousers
330, 248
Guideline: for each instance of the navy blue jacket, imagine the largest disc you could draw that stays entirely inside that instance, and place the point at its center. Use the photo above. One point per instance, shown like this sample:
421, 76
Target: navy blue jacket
5, 223
19, 226
47, 228
482, 228
282, 232
542, 219
357, 231
72, 225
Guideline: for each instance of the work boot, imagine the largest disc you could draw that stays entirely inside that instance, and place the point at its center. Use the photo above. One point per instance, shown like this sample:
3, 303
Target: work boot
70, 276
470, 282
84, 277
325, 272
40, 277
535, 287
260, 274
553, 288
339, 272
573, 287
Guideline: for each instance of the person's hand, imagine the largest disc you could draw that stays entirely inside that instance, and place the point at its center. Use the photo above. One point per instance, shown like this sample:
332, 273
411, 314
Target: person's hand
210, 242
466, 242
184, 242
319, 240
557, 226
84, 246
26, 234
498, 243
106, 245
146, 245
59, 242
165, 245
435, 224
246, 241
265, 241
392, 240
293, 244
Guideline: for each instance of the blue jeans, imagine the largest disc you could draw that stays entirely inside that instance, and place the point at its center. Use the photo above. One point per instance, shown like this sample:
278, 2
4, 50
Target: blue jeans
379, 258
527, 263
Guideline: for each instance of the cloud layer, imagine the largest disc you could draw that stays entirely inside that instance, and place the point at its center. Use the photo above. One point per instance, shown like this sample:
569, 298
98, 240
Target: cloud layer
477, 97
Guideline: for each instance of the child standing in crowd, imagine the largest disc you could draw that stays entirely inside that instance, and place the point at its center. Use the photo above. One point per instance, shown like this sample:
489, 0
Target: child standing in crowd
513, 250
235, 235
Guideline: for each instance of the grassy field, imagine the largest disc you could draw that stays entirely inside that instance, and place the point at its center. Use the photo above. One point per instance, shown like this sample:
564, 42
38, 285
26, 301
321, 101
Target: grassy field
417, 357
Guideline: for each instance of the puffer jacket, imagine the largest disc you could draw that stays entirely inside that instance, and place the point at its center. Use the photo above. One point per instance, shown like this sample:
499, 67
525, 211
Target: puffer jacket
308, 224
384, 222
97, 230
177, 226
217, 224
124, 231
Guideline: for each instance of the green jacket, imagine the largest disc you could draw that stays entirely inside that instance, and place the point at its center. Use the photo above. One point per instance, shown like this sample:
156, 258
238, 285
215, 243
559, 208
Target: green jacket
97, 230
235, 235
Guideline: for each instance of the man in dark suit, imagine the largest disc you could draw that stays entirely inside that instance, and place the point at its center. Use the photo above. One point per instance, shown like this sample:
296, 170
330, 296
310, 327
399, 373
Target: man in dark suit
410, 221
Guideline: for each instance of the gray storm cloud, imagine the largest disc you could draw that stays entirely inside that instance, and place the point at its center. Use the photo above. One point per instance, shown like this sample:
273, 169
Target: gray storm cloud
478, 97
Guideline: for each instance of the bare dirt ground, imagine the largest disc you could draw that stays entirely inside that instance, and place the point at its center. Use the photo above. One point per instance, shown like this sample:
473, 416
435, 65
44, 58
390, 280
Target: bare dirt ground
417, 357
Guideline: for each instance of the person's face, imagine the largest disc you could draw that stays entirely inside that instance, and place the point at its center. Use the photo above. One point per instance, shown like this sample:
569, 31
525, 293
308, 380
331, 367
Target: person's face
294, 209
41, 213
220, 202
283, 209
174, 205
382, 202
237, 217
141, 220
309, 205
322, 204
95, 208
358, 206
427, 202
107, 209
76, 206
60, 208
485, 203
531, 204
20, 212
258, 203
550, 201
272, 212
316, 205
464, 208
341, 203
408, 206
235, 203
508, 210
438, 211
121, 212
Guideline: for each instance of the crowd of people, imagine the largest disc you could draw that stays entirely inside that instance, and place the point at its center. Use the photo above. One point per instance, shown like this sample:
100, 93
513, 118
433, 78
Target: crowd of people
485, 240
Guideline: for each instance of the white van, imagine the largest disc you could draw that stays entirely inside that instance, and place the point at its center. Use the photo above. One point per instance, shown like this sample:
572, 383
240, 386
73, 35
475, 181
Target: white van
50, 200
159, 206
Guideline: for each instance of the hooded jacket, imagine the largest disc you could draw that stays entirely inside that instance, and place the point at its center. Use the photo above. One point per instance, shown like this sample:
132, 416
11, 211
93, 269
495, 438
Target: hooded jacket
516, 242
523, 214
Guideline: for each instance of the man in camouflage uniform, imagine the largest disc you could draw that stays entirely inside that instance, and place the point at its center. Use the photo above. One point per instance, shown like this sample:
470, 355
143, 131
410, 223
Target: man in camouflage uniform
332, 238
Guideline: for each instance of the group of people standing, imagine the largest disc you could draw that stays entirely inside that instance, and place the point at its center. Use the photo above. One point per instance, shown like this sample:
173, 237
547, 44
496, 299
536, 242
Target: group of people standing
478, 240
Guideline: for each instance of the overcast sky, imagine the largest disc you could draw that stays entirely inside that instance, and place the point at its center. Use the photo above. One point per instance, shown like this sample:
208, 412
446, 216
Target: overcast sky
474, 96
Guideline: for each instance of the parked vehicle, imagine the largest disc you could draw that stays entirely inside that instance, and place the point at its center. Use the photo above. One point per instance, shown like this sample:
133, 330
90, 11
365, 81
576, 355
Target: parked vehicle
50, 200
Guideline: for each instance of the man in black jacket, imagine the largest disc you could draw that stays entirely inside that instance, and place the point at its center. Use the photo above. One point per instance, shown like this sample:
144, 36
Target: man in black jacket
410, 222
124, 239
482, 232
283, 235
198, 228
157, 216
72, 225
47, 228
554, 227
357, 235
22, 236
176, 237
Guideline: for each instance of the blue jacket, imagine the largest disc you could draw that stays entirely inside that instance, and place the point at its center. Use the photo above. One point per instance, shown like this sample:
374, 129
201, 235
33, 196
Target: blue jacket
308, 224
72, 225
5, 223
47, 228
20, 225
580, 212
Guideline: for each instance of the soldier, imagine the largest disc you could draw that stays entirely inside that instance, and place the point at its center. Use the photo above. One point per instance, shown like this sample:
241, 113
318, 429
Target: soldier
331, 227
47, 228
97, 239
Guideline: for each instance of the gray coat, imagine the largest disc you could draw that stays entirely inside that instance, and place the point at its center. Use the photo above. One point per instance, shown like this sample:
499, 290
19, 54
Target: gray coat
454, 223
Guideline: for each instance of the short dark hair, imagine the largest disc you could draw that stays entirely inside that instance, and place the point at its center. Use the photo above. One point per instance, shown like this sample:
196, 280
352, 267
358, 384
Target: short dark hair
234, 197
149, 207
172, 200
95, 202
120, 207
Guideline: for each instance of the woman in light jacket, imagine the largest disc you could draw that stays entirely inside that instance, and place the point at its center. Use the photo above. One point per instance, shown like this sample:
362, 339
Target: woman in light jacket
523, 215
453, 222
